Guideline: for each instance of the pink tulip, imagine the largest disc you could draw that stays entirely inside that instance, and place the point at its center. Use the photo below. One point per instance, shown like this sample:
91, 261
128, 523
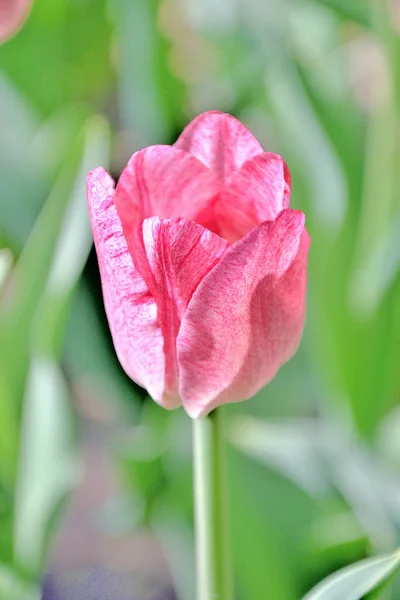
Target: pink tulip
12, 16
203, 265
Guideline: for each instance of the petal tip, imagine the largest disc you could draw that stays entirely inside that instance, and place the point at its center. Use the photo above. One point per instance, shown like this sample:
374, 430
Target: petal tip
292, 217
101, 176
100, 186
220, 141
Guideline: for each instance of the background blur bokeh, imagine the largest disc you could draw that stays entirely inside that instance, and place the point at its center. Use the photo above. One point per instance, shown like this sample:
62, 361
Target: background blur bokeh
95, 479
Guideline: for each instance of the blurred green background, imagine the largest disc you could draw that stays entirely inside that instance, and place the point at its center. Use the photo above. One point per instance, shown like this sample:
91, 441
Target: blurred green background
95, 479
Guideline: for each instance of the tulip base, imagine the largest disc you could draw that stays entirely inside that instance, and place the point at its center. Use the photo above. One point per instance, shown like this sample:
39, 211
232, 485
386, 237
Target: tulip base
213, 555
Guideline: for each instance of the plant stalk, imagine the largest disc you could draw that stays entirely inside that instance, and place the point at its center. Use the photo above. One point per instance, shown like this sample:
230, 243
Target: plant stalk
213, 553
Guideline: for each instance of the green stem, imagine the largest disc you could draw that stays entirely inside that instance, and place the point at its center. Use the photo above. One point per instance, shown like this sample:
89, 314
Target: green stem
213, 559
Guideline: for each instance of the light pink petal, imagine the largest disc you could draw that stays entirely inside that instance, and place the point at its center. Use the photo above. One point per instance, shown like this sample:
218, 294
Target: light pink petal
165, 182
173, 256
13, 14
131, 310
220, 141
256, 193
246, 317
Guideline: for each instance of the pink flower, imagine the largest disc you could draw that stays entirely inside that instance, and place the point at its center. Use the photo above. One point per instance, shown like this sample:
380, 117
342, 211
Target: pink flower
203, 265
12, 16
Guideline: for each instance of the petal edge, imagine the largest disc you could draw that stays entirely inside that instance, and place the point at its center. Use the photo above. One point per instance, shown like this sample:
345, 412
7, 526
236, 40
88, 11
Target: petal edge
219, 141
246, 318
130, 308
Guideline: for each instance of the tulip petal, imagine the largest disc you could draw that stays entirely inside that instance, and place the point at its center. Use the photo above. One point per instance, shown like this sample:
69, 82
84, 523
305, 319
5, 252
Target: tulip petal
173, 256
219, 141
169, 182
13, 14
163, 181
246, 317
256, 193
130, 308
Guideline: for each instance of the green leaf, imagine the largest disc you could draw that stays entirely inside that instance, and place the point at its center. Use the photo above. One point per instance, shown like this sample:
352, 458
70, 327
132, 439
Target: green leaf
52, 259
355, 581
374, 275
30, 278
177, 541
46, 275
354, 11
305, 135
268, 545
20, 176
28, 283
12, 587
149, 95
291, 446
47, 464
73, 245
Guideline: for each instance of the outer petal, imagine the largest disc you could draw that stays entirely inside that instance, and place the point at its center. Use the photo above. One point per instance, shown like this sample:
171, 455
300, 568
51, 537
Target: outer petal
173, 256
246, 317
165, 182
256, 193
220, 141
131, 310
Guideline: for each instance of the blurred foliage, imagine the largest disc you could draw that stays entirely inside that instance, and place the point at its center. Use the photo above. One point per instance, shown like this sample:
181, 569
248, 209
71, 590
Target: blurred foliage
314, 457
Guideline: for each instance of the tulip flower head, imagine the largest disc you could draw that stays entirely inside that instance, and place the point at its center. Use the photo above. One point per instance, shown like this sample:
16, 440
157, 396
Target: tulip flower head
13, 14
203, 265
